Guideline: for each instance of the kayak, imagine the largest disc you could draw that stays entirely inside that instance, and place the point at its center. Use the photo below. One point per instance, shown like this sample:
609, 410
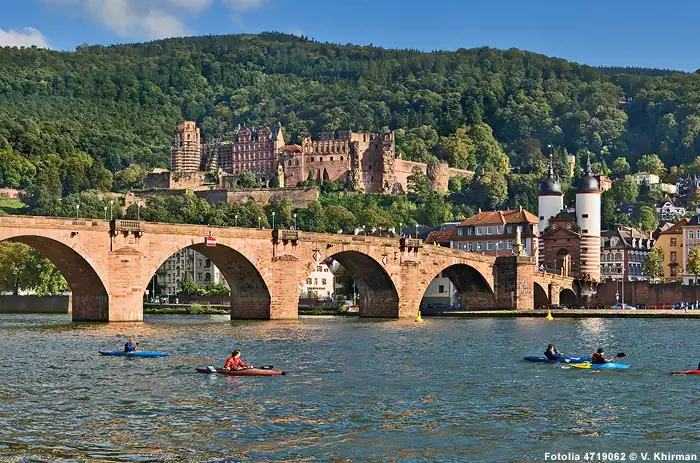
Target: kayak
138, 353
246, 372
610, 365
543, 359
686, 372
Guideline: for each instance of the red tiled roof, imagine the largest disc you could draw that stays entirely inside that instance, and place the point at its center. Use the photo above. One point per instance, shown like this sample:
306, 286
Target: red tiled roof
500, 218
677, 229
292, 148
440, 236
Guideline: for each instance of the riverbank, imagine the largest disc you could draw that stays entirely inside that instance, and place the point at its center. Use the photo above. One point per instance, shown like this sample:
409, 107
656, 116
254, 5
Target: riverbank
565, 313
185, 309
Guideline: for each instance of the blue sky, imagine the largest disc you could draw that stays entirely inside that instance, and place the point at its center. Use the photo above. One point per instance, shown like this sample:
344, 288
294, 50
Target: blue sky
599, 32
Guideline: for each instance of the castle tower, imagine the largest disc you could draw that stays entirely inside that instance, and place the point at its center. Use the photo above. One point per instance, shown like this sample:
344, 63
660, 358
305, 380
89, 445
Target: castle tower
550, 202
185, 155
280, 176
588, 219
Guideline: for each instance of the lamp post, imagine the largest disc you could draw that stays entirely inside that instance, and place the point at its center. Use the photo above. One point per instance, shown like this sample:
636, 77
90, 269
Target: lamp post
295, 221
400, 227
259, 222
416, 231
138, 211
236, 217
363, 230
273, 220
77, 211
380, 232
111, 203
105, 212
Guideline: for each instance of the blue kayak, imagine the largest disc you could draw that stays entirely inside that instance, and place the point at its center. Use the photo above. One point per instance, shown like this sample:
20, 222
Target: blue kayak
601, 366
562, 359
138, 353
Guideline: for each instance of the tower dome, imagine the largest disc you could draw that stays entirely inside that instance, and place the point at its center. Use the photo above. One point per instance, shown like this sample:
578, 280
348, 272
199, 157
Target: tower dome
588, 184
550, 185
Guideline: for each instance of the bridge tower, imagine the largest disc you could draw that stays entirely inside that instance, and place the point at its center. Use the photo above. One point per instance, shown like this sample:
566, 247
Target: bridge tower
550, 202
588, 219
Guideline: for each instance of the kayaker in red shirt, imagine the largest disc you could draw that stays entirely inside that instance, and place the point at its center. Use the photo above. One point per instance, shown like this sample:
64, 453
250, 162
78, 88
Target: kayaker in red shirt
234, 362
598, 358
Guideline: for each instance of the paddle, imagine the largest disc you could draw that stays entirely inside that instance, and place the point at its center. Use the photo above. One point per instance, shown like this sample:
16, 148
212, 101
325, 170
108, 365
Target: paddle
618, 355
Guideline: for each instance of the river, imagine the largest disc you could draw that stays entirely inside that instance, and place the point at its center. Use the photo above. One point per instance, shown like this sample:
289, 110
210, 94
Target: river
446, 390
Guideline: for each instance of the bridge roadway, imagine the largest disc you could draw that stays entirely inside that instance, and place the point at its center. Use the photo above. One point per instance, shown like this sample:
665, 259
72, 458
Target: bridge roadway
108, 266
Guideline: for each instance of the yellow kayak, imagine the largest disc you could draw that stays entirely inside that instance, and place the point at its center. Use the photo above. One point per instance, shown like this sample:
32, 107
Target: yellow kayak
611, 365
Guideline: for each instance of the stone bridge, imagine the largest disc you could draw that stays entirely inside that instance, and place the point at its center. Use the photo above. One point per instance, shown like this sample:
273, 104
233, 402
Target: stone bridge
108, 266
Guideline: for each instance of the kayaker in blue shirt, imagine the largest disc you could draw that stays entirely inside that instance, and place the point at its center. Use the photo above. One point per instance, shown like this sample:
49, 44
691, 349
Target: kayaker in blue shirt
598, 358
552, 353
130, 346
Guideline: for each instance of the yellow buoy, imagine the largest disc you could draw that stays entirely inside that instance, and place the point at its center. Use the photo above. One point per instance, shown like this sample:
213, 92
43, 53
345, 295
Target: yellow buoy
549, 315
418, 319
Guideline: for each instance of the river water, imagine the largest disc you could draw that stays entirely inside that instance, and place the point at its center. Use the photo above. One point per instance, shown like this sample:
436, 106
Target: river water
446, 390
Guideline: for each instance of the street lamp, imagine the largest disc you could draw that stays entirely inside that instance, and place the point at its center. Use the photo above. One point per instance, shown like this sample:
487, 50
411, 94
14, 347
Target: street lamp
259, 222
380, 231
295, 221
273, 220
236, 216
111, 203
363, 230
105, 212
138, 211
77, 211
400, 227
416, 231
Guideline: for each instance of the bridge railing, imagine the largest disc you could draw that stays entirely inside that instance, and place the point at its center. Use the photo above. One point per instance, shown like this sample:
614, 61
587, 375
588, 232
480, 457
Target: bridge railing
118, 225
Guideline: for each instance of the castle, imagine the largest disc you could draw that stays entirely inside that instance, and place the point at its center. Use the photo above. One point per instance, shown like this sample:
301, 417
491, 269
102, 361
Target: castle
363, 162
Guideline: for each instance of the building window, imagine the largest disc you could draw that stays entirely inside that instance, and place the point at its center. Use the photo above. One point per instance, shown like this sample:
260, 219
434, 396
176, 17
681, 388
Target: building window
318, 268
479, 231
674, 242
489, 230
207, 263
541, 217
673, 271
479, 245
691, 234
312, 159
308, 281
470, 246
331, 158
369, 166
489, 246
470, 231
618, 256
584, 216
509, 244
584, 231
499, 245
207, 276
315, 281
323, 281
441, 289
199, 276
673, 256
499, 230
341, 158
509, 229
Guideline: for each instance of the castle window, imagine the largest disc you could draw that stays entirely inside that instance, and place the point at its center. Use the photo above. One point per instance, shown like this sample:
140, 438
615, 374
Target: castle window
289, 163
297, 162
584, 216
320, 159
331, 158
369, 166
341, 158
312, 159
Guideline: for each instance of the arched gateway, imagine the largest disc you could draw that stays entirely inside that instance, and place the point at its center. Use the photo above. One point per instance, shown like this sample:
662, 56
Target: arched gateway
108, 266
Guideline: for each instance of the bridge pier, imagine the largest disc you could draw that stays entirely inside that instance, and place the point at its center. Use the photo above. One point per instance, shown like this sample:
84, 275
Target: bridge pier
554, 292
514, 282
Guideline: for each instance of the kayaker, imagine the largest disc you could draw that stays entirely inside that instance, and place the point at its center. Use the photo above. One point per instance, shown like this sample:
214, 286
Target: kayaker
234, 362
131, 346
552, 353
598, 358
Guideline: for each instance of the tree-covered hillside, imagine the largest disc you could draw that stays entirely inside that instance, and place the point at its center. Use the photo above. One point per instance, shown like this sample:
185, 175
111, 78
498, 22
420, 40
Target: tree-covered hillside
121, 103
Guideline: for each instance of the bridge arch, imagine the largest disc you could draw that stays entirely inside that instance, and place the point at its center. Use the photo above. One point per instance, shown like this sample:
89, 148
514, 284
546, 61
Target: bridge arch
377, 293
89, 295
250, 294
474, 289
541, 295
567, 296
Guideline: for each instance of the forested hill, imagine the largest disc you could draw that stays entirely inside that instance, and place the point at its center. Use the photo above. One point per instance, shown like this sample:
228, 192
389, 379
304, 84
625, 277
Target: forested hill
120, 104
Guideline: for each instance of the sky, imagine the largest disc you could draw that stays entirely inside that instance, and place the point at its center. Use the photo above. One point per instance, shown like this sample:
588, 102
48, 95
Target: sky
642, 33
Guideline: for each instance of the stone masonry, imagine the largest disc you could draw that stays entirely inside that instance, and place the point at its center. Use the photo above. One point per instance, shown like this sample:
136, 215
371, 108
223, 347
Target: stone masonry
108, 266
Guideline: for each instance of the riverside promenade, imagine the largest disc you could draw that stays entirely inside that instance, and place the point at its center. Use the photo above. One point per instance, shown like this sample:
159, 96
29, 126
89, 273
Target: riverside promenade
566, 313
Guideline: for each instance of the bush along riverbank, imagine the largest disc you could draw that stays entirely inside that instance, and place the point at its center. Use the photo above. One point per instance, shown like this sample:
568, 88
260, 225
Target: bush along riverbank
185, 309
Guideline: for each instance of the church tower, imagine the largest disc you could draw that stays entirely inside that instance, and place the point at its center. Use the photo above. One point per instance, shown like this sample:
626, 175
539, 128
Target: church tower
550, 202
588, 212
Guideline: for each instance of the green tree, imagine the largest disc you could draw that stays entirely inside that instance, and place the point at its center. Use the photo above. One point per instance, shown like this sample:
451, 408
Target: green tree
15, 170
188, 286
458, 149
648, 218
131, 178
25, 269
624, 190
419, 187
489, 189
693, 265
654, 263
652, 164
339, 218
620, 167
248, 179
283, 212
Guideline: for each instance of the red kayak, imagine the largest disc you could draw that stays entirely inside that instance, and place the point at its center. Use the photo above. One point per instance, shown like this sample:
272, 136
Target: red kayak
686, 372
245, 372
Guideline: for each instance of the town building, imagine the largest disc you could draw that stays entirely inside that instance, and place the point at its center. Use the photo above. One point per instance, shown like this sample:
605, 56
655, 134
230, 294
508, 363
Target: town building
364, 162
320, 284
691, 240
604, 181
203, 272
669, 210
623, 251
570, 244
670, 241
645, 178
491, 233
441, 291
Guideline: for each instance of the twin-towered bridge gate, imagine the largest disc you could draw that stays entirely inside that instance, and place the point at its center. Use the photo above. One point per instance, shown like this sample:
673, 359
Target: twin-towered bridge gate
108, 266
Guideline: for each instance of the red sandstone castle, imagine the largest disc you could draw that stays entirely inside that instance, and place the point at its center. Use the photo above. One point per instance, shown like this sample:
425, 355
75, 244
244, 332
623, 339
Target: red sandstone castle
364, 162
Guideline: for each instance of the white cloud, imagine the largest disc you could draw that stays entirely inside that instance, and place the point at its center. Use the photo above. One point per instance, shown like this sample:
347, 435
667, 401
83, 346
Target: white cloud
26, 38
154, 19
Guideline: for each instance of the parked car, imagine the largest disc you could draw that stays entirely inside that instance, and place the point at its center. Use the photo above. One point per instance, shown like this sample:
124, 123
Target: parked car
641, 306
660, 307
623, 307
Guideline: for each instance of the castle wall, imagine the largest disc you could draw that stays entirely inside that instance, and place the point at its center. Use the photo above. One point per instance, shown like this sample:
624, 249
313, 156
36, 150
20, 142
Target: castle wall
300, 197
176, 181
